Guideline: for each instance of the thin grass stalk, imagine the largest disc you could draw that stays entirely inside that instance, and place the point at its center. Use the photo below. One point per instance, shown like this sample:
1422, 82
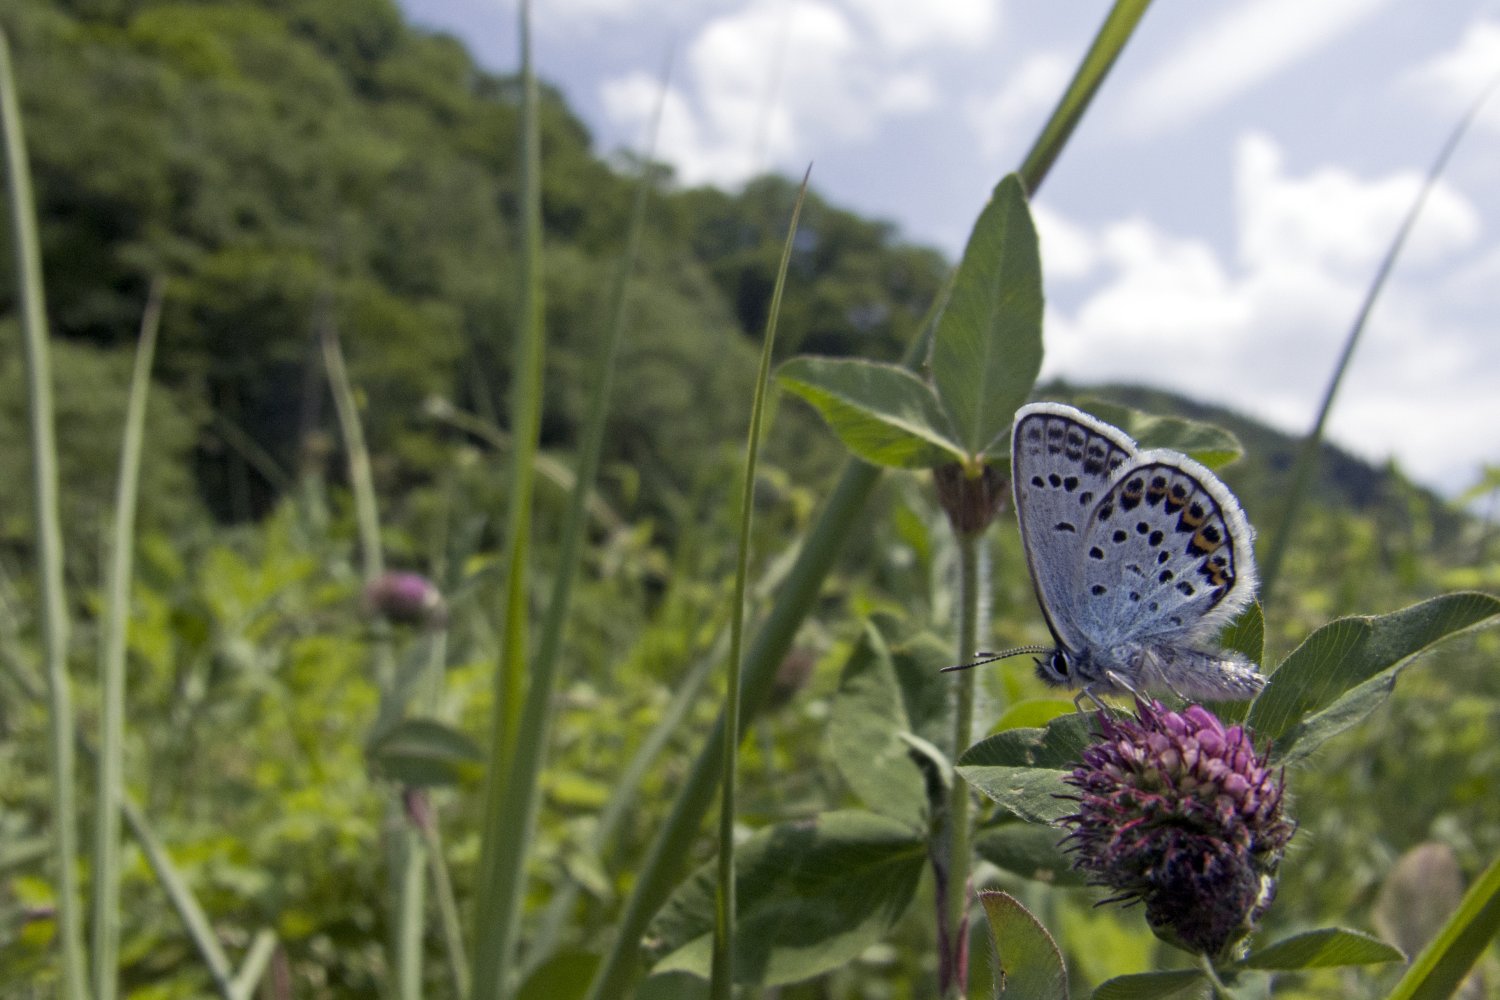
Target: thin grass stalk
447, 903
518, 793
199, 928
953, 925
721, 976
1270, 567
624, 797
494, 910
253, 968
361, 479
106, 873
54, 609
825, 538
405, 852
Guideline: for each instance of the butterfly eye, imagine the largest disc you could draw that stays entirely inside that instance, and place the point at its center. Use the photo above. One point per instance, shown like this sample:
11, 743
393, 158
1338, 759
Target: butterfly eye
1059, 663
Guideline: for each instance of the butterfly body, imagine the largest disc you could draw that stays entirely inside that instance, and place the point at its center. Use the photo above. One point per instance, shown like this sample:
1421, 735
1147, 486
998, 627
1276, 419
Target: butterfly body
1139, 558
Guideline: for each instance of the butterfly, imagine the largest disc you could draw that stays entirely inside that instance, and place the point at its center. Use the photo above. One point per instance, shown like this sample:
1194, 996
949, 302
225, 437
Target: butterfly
1139, 558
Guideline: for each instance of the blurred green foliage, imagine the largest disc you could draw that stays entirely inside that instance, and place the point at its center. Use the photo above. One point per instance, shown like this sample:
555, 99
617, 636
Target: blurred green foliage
290, 160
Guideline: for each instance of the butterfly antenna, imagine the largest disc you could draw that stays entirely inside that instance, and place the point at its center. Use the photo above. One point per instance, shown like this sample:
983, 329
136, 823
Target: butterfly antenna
988, 657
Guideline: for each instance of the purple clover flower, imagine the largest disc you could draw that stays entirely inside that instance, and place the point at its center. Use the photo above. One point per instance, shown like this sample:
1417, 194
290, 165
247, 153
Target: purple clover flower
406, 599
1180, 814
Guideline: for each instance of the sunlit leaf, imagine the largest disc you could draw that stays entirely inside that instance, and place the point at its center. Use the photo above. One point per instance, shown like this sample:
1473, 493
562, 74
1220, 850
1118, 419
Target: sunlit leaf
987, 349
1342, 656
1154, 986
1027, 961
1320, 949
1213, 446
884, 414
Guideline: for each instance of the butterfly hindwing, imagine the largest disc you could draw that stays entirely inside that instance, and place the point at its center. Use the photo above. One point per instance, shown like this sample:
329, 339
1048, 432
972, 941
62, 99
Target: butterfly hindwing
1166, 551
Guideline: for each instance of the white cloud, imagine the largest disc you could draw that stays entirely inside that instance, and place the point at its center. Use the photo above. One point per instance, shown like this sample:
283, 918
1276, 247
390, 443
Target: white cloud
1261, 332
902, 26
775, 81
1245, 44
1068, 250
1017, 107
1453, 80
1334, 218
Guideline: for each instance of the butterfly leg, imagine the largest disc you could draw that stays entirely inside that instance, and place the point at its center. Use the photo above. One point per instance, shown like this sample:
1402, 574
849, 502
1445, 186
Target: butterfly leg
1088, 692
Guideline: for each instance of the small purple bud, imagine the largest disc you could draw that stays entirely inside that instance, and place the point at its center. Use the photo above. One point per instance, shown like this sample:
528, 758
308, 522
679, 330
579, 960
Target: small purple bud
1180, 814
406, 599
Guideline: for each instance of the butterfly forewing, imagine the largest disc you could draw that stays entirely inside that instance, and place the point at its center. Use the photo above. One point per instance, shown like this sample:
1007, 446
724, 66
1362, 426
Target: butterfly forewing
1062, 462
1166, 551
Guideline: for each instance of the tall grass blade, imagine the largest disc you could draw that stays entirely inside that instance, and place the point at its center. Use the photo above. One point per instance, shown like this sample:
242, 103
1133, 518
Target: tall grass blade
106, 874
1440, 968
516, 814
664, 862
1108, 43
1270, 568
54, 608
496, 901
721, 980
361, 479
405, 852
198, 926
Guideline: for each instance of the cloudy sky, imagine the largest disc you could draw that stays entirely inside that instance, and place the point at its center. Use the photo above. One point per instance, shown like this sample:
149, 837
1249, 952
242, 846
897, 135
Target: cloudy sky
1211, 228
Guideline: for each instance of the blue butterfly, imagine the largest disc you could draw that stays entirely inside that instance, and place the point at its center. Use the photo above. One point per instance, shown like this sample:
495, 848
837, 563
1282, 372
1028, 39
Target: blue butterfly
1139, 558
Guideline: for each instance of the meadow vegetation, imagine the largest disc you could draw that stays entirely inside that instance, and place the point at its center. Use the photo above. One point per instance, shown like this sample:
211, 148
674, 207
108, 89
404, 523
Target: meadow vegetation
298, 173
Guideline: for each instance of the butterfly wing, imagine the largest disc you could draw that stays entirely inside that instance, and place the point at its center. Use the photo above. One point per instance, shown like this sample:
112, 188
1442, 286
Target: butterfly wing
1166, 552
1062, 462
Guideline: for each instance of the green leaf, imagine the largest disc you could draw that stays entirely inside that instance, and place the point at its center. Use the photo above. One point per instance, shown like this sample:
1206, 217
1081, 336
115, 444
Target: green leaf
424, 753
1152, 985
1058, 746
1338, 659
1321, 949
987, 349
1247, 634
1033, 713
811, 896
863, 728
564, 976
1027, 961
1028, 850
884, 414
1034, 794
672, 986
1213, 446
1022, 769
1444, 963
925, 690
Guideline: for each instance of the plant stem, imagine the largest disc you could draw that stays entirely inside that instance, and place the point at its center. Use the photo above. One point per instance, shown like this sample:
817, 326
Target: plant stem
49, 544
956, 894
111, 764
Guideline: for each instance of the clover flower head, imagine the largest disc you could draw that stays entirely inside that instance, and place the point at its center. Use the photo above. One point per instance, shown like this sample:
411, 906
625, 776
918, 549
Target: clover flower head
406, 599
1179, 813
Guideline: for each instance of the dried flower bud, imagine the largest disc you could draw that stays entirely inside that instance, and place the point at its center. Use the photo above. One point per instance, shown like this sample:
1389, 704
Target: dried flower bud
1180, 814
406, 599
971, 503
791, 676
